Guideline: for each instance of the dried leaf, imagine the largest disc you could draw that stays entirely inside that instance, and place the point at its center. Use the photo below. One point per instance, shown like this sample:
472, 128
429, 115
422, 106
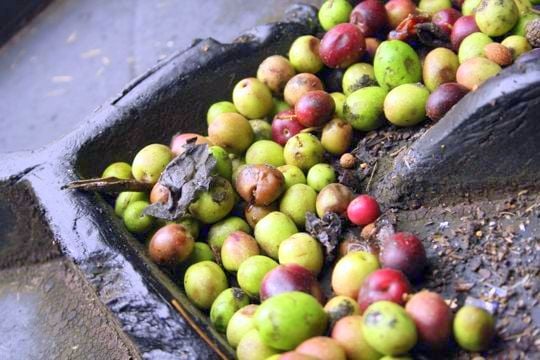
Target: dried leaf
327, 230
185, 177
431, 35
108, 185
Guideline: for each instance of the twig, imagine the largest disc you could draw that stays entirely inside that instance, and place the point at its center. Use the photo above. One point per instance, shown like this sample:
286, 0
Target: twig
371, 176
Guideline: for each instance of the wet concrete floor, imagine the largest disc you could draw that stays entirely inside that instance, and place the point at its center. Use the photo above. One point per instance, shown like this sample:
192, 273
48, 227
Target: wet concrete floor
77, 54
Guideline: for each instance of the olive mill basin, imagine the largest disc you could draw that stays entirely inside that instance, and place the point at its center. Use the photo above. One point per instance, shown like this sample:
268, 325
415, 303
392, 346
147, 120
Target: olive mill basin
150, 307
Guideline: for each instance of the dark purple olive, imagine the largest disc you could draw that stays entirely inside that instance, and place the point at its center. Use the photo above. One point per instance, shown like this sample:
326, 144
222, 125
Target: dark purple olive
463, 27
370, 17
532, 55
443, 98
445, 19
332, 79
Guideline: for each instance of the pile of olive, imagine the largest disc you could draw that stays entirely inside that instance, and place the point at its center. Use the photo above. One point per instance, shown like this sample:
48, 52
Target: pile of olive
273, 143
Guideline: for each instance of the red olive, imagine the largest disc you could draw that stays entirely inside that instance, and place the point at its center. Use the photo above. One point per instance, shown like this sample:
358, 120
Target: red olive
404, 251
170, 245
443, 98
370, 17
314, 109
463, 27
342, 46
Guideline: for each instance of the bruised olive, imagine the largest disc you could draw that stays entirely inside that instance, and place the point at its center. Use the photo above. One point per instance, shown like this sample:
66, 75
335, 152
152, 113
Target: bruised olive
159, 194
170, 245
262, 130
440, 66
274, 72
254, 213
496, 17
443, 98
225, 306
333, 198
358, 76
336, 136
299, 85
260, 184
179, 140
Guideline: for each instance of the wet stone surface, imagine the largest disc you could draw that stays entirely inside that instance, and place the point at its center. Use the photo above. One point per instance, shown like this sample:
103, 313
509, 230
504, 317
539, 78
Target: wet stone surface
48, 312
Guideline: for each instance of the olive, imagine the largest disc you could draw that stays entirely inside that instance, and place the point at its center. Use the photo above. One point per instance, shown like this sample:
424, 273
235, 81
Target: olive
159, 194
219, 108
350, 272
463, 27
398, 10
443, 99
320, 175
201, 252
333, 198
223, 161
370, 17
227, 303
262, 130
214, 204
302, 249
473, 72
120, 170
191, 225
293, 175
237, 247
304, 54
170, 245
203, 282
339, 307
134, 219
440, 66
322, 347
232, 132
260, 184
517, 45
274, 72
272, 230
339, 100
496, 17
254, 213
288, 319
388, 328
358, 76
474, 328
265, 152
405, 105
336, 136
150, 162
279, 106
221, 230
179, 141
252, 347
334, 12
396, 63
240, 324
469, 7
298, 200
433, 6
125, 198
348, 333
299, 85
252, 98
251, 273
303, 150
363, 109
473, 46
314, 108
342, 46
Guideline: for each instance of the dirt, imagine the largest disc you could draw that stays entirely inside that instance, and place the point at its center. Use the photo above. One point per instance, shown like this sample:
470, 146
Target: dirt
482, 248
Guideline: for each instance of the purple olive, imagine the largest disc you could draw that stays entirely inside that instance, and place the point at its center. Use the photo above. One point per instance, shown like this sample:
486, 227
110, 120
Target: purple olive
443, 98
